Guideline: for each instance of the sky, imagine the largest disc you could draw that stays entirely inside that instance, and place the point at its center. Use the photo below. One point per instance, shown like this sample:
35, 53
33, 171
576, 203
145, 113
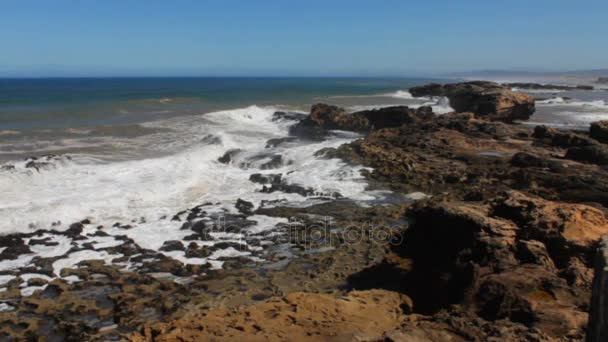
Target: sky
298, 37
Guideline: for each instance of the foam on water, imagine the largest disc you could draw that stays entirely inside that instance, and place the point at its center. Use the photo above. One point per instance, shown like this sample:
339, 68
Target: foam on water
186, 174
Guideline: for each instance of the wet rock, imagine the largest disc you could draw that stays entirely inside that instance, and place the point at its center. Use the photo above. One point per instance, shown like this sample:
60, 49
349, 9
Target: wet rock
594, 154
486, 99
211, 139
244, 207
288, 116
273, 178
275, 161
172, 245
599, 131
7, 168
279, 141
37, 165
325, 117
228, 156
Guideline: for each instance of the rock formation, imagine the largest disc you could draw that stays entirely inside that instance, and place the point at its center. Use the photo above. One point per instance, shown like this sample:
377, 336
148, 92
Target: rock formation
485, 99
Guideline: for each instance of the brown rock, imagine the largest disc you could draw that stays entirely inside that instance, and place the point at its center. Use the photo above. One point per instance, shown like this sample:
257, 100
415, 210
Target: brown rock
599, 131
482, 98
362, 315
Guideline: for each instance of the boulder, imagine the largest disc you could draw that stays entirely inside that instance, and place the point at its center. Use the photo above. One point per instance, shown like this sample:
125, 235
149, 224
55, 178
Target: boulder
325, 117
599, 131
244, 207
517, 258
485, 99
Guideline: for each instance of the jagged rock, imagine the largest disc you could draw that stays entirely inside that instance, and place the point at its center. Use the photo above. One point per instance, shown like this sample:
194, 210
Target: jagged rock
287, 116
228, 156
172, 245
325, 117
275, 161
273, 178
485, 99
567, 230
599, 131
244, 207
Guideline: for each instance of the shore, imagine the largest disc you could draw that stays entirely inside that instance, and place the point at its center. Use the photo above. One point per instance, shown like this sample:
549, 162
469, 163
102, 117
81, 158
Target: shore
490, 233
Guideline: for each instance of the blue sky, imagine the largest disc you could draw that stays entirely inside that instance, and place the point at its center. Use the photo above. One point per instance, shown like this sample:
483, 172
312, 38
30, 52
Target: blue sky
293, 37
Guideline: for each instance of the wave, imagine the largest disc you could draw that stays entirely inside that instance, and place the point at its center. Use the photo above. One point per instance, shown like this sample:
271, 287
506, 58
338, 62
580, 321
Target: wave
400, 94
9, 132
560, 101
147, 189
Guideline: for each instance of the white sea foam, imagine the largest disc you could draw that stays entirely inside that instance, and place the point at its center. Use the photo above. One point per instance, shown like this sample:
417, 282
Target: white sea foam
186, 174
400, 94
559, 101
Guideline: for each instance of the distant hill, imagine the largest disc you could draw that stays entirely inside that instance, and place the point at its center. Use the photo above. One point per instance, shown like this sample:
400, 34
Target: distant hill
575, 76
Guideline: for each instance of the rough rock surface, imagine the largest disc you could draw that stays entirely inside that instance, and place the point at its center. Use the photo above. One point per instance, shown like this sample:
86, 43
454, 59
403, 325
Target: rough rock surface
325, 117
598, 316
503, 249
599, 131
361, 315
486, 99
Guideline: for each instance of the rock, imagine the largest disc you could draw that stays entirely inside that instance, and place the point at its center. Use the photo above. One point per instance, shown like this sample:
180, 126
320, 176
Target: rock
597, 329
288, 116
325, 117
602, 80
599, 131
594, 154
300, 316
279, 141
567, 230
228, 156
526, 160
534, 252
172, 245
510, 259
393, 116
275, 161
273, 178
244, 207
485, 99
561, 138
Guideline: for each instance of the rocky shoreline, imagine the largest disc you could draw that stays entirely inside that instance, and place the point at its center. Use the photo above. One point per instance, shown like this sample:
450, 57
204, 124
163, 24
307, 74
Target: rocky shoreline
499, 243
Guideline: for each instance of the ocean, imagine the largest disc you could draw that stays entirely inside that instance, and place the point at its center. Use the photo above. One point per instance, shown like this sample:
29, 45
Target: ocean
143, 149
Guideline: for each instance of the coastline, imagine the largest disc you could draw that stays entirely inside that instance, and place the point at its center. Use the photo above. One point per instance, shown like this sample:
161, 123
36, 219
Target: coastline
483, 173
